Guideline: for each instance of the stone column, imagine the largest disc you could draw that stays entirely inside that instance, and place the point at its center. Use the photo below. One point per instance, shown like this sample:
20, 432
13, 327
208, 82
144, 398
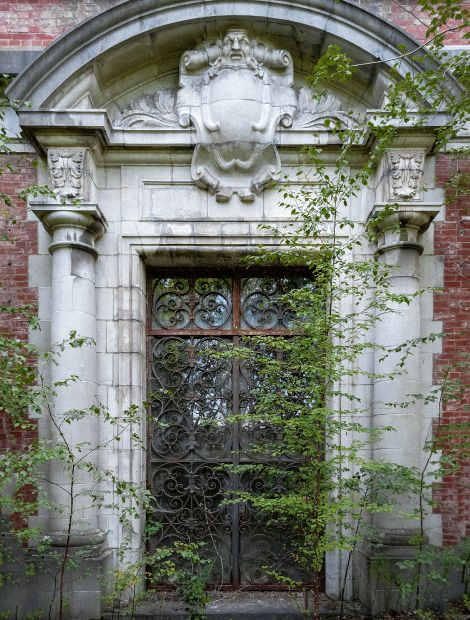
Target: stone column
74, 230
74, 225
399, 248
74, 222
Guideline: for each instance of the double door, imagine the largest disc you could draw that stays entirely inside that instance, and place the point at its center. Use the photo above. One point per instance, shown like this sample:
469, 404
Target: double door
198, 392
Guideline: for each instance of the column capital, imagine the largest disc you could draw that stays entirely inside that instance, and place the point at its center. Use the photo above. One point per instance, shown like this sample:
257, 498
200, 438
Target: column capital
74, 226
402, 227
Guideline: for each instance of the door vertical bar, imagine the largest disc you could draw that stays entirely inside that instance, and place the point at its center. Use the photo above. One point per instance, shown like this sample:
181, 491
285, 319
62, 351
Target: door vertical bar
236, 433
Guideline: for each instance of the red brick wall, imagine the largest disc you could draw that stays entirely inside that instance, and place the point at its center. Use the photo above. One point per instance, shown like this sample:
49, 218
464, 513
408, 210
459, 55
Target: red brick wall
14, 287
15, 291
405, 15
22, 240
452, 307
34, 24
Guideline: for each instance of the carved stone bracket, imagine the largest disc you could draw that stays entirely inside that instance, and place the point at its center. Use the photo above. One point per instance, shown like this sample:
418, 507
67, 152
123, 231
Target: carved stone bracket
67, 168
72, 226
404, 170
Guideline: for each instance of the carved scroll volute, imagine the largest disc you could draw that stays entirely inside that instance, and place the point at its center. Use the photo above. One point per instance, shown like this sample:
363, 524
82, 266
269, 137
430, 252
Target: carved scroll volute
67, 172
405, 174
236, 93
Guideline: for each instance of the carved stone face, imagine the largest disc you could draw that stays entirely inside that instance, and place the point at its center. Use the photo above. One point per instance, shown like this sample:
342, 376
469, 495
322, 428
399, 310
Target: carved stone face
236, 46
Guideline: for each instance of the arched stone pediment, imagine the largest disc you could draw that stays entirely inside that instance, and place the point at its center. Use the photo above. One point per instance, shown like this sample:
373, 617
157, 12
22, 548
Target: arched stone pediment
112, 54
162, 76
171, 134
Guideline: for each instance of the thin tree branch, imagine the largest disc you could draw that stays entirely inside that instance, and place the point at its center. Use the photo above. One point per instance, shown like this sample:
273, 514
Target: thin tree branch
378, 62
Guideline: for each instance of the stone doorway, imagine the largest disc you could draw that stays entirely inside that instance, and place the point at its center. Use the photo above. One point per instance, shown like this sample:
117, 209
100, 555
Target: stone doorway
194, 442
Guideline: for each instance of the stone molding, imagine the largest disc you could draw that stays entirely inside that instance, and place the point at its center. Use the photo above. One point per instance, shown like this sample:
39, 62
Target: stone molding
72, 226
402, 227
93, 538
94, 129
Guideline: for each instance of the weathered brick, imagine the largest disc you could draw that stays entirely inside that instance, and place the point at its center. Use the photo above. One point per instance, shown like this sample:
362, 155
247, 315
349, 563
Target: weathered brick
14, 287
451, 307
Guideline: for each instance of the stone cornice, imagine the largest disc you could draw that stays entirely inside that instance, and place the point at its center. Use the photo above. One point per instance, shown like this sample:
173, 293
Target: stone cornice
93, 129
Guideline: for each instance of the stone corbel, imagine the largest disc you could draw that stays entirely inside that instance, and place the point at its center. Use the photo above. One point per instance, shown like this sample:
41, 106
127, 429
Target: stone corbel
68, 168
401, 175
72, 226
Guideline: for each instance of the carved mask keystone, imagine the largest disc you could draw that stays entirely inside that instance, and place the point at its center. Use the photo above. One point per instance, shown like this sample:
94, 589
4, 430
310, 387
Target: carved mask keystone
236, 93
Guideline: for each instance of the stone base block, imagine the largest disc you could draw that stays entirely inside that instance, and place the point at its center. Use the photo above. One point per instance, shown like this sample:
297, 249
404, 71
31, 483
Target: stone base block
386, 580
31, 583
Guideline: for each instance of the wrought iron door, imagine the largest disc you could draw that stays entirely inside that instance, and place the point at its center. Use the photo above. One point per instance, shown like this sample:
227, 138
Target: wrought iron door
192, 444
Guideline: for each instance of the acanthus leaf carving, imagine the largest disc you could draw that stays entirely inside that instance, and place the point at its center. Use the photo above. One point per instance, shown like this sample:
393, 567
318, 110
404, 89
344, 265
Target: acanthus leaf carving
406, 174
311, 113
66, 169
150, 111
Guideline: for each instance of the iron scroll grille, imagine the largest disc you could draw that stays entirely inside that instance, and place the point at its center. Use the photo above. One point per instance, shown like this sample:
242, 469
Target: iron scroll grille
191, 443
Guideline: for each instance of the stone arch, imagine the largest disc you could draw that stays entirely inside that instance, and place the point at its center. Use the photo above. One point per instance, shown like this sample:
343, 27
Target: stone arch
374, 38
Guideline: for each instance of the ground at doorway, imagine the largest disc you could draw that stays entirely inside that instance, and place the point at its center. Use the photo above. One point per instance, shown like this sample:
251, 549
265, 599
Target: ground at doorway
265, 606
236, 606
